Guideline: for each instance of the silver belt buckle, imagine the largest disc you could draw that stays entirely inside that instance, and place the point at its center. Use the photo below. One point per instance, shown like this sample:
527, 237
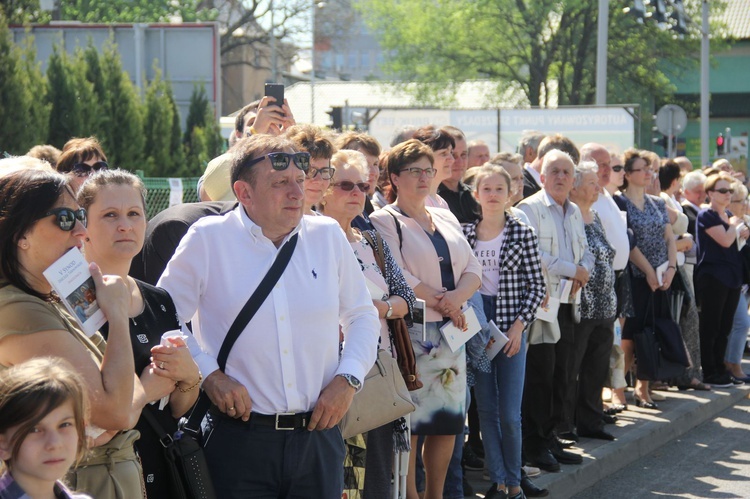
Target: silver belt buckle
277, 421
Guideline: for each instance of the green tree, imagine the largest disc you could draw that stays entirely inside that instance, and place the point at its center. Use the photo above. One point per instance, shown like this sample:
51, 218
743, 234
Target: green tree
70, 97
157, 128
22, 88
23, 12
540, 46
196, 152
203, 140
134, 11
123, 138
95, 76
176, 148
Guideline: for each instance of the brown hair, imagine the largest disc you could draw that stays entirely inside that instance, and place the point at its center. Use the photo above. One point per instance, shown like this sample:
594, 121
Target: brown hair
358, 141
48, 153
31, 390
78, 150
402, 155
712, 180
94, 183
436, 139
255, 146
312, 139
558, 141
629, 157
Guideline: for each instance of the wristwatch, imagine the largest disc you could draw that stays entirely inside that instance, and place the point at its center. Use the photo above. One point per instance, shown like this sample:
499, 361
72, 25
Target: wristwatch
389, 313
353, 382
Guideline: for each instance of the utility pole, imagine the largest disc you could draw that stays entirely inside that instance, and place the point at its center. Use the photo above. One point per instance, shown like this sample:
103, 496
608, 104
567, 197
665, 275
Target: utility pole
601, 53
705, 89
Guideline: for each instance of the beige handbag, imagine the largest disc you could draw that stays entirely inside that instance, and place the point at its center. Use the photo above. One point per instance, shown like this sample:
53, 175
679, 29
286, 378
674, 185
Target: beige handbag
383, 398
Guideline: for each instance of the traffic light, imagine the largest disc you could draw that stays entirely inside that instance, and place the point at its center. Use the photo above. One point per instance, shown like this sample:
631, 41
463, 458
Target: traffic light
337, 118
678, 14
660, 141
720, 145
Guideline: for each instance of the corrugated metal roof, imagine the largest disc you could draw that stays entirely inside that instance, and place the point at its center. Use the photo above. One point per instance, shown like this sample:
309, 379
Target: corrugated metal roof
736, 16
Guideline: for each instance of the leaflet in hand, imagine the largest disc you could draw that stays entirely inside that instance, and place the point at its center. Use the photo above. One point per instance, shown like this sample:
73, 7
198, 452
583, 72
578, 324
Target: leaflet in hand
70, 278
740, 242
498, 340
660, 270
456, 337
548, 313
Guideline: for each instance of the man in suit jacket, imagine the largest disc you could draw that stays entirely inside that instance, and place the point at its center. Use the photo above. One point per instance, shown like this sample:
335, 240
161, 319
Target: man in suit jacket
694, 195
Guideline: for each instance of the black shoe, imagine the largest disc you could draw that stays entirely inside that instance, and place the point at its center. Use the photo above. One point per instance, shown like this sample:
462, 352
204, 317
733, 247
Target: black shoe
520, 495
494, 493
530, 489
736, 381
569, 435
468, 489
543, 460
719, 381
563, 456
609, 419
565, 444
470, 461
644, 404
601, 435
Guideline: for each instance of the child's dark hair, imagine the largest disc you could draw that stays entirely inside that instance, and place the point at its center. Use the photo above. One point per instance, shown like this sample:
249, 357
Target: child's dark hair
31, 390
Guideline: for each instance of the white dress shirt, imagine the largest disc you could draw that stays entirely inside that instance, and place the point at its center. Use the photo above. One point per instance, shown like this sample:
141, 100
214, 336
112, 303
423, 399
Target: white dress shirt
289, 351
615, 227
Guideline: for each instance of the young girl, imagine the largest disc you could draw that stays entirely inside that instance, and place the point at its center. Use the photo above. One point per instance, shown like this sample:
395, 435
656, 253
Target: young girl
42, 419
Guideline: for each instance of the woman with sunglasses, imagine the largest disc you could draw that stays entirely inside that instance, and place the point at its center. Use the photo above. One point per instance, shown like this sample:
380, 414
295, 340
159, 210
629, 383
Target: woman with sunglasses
40, 221
441, 268
80, 158
313, 140
654, 245
116, 207
718, 277
344, 201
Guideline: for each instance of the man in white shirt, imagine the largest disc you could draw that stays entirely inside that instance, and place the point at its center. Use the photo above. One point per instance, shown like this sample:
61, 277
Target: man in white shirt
285, 386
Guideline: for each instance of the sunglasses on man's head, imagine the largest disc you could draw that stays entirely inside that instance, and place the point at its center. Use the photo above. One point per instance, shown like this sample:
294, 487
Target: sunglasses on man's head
65, 218
325, 173
280, 160
84, 170
348, 186
618, 168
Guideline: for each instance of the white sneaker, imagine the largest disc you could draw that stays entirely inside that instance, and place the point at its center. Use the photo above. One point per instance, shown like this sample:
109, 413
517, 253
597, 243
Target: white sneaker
532, 471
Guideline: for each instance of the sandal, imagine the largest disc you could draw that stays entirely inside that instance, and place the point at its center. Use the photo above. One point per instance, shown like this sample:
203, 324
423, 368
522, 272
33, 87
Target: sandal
695, 386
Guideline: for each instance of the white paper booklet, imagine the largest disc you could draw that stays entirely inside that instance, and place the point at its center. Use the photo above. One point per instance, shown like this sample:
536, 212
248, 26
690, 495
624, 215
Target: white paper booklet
456, 337
418, 331
498, 340
70, 278
740, 242
660, 270
548, 313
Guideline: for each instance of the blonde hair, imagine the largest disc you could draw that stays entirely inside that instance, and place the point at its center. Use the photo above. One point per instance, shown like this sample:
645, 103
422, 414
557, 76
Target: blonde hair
31, 390
347, 159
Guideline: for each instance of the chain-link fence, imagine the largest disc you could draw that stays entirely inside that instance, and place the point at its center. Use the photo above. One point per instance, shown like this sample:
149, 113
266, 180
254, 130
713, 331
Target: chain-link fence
160, 192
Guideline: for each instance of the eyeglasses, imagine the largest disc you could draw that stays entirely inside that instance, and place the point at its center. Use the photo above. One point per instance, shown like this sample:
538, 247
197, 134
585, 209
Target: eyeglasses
618, 168
724, 190
348, 186
84, 170
644, 170
280, 160
66, 217
325, 173
417, 172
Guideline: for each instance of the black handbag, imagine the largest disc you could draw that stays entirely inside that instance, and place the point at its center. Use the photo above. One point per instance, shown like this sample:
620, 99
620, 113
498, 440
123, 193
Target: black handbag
659, 348
184, 450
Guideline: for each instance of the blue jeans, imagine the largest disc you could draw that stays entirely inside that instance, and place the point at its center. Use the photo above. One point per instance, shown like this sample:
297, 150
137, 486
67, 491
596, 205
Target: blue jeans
499, 394
738, 335
454, 477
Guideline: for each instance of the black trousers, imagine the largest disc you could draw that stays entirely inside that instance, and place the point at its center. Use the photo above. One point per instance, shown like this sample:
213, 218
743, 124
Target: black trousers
593, 345
718, 304
249, 460
548, 370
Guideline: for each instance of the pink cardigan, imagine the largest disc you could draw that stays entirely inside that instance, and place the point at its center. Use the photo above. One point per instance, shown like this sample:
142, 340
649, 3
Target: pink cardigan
417, 258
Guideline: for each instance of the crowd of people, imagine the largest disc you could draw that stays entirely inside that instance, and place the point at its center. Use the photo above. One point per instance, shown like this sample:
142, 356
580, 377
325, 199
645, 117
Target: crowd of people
570, 251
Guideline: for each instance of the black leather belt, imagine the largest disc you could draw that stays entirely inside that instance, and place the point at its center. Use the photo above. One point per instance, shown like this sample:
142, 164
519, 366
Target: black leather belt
284, 421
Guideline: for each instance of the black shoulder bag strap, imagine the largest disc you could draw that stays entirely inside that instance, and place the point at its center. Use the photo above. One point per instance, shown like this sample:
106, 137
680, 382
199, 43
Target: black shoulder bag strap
398, 230
260, 294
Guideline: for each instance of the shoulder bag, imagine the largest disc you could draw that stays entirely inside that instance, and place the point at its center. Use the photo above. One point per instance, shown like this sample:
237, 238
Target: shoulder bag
659, 348
183, 450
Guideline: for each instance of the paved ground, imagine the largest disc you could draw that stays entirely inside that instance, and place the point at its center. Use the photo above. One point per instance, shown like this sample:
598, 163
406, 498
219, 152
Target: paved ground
642, 434
710, 461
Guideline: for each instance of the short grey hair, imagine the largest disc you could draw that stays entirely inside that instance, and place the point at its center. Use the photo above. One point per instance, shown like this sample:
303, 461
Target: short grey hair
554, 155
530, 138
693, 179
582, 169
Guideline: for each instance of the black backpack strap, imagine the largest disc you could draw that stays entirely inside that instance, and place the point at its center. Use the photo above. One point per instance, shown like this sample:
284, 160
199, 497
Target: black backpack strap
260, 294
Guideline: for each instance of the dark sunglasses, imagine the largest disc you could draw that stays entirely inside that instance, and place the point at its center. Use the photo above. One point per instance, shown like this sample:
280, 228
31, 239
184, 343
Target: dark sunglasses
66, 218
724, 190
618, 168
325, 173
280, 160
84, 170
348, 185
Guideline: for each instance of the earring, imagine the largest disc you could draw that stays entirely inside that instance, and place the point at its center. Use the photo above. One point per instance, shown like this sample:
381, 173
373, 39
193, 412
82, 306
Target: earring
87, 240
25, 245
322, 203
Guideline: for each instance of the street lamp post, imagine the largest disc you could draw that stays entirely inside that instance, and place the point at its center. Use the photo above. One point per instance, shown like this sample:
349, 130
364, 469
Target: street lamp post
601, 53
705, 91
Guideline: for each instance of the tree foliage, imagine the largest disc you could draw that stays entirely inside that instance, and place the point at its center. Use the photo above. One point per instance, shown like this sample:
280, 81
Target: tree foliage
547, 47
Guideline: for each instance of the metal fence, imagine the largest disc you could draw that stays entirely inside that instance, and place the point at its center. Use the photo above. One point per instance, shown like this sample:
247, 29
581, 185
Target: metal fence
160, 192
